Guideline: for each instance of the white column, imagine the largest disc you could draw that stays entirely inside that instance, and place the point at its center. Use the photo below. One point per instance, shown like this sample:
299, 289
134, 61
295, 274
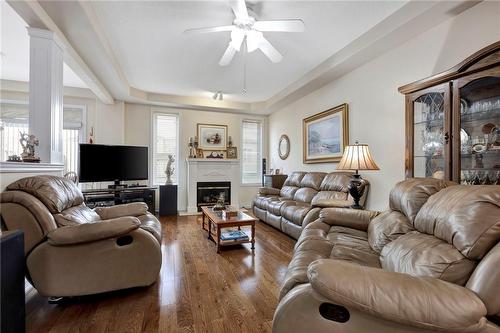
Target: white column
46, 94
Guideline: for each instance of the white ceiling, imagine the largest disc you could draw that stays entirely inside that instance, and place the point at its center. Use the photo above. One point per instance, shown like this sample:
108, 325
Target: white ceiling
147, 39
136, 50
14, 48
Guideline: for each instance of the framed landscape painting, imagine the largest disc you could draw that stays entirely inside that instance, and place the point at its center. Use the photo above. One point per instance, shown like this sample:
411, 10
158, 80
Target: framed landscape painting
212, 137
325, 135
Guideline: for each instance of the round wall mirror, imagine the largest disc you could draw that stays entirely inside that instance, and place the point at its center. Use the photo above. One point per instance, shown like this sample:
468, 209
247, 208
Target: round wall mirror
284, 147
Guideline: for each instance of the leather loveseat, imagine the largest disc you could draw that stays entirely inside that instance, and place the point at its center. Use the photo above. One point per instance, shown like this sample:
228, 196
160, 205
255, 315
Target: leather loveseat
429, 263
73, 250
301, 198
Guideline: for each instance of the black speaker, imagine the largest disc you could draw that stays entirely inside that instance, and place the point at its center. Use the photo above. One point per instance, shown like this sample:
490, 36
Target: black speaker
264, 167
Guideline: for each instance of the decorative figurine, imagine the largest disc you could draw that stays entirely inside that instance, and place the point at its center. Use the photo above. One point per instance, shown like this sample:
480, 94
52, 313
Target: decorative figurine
221, 202
28, 142
91, 135
192, 148
169, 171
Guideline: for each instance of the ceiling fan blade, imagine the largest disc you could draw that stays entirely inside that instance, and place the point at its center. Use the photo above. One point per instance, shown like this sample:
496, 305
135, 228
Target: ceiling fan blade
288, 25
269, 50
227, 56
240, 9
210, 29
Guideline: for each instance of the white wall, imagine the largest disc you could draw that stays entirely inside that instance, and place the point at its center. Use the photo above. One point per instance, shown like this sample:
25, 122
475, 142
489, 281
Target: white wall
376, 109
138, 132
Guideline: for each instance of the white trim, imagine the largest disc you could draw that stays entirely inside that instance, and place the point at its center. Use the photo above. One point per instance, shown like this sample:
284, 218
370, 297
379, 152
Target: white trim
15, 167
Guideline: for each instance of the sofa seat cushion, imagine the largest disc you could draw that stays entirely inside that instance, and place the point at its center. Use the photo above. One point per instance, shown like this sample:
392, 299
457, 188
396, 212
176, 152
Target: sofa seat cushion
319, 240
76, 215
151, 225
352, 245
276, 207
262, 202
419, 254
296, 214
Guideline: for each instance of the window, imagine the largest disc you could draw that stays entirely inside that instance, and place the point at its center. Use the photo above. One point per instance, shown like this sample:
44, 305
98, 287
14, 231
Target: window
73, 133
165, 134
14, 119
251, 152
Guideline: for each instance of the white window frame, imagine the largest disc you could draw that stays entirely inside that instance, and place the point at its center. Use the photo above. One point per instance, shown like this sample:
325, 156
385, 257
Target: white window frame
260, 153
155, 111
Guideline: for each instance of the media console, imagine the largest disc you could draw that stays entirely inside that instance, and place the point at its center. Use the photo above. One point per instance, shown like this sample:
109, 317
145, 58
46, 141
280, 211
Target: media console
110, 197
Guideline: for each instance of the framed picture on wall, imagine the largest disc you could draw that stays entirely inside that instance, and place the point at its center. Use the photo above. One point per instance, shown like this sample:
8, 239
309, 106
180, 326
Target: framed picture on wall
212, 137
325, 134
232, 152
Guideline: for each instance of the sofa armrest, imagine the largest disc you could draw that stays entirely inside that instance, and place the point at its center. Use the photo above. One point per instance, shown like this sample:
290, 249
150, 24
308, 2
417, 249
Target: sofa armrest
131, 209
350, 218
89, 232
422, 302
268, 191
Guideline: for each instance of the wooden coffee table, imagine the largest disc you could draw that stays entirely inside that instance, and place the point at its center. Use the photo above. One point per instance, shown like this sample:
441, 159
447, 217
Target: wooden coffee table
215, 223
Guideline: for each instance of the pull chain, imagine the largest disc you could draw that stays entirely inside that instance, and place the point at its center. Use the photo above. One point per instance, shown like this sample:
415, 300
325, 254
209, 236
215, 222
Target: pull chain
244, 67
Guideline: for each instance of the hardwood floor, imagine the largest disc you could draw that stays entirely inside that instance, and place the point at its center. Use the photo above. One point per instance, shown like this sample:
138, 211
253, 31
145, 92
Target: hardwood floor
198, 290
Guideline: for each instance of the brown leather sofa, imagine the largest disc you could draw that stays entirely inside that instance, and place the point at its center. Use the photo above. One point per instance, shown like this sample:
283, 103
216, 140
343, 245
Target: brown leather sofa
429, 263
73, 250
301, 198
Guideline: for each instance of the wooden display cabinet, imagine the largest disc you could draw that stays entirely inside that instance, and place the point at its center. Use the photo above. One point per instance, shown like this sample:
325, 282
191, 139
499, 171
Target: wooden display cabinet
453, 122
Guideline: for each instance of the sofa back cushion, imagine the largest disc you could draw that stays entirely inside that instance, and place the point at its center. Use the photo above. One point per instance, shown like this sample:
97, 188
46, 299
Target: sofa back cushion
76, 215
387, 227
56, 193
420, 254
291, 184
333, 188
408, 196
467, 217
309, 186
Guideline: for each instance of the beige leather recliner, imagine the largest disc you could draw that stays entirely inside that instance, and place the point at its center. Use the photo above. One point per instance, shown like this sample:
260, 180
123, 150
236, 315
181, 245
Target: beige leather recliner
301, 198
429, 263
72, 250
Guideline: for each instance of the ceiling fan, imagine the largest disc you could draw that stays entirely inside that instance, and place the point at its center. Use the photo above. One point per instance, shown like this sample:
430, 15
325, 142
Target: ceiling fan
247, 28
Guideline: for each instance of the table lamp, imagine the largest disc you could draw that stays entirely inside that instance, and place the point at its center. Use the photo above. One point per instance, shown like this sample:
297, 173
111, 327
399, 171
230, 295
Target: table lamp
357, 157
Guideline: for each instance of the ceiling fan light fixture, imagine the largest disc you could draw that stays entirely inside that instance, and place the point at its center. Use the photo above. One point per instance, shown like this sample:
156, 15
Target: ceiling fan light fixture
237, 36
218, 96
254, 37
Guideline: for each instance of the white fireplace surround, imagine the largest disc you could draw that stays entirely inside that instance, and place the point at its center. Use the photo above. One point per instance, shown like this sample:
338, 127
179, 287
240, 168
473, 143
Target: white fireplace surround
212, 170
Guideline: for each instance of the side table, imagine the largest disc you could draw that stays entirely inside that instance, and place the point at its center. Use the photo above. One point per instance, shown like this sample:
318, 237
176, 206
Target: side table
12, 314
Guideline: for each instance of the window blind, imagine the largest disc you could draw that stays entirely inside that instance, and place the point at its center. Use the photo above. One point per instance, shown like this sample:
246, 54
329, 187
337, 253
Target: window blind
165, 139
251, 154
14, 118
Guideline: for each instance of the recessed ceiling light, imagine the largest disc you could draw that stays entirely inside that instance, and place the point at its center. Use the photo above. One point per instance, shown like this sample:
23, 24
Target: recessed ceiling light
218, 95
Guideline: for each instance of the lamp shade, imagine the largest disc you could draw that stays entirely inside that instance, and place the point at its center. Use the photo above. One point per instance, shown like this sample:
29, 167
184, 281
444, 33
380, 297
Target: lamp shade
357, 157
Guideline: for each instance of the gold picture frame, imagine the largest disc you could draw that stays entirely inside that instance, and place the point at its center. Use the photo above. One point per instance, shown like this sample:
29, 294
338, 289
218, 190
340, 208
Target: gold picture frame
325, 135
212, 137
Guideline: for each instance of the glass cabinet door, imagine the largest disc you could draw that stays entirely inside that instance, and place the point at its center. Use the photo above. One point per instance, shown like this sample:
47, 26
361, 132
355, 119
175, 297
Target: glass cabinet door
430, 135
478, 131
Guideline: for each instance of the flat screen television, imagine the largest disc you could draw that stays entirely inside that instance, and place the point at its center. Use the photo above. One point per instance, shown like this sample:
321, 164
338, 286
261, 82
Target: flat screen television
100, 163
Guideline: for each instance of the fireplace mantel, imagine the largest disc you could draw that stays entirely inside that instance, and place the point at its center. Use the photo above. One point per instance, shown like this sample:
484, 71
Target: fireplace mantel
212, 170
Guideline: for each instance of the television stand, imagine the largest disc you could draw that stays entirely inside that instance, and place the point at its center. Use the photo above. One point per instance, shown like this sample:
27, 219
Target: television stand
123, 195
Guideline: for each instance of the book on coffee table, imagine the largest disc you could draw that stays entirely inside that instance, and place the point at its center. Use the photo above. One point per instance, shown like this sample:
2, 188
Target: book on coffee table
233, 235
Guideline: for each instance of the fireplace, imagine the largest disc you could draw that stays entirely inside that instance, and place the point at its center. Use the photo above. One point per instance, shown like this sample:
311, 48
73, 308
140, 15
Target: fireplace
207, 193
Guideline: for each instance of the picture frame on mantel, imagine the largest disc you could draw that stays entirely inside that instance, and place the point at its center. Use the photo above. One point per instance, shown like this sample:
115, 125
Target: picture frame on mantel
325, 135
212, 137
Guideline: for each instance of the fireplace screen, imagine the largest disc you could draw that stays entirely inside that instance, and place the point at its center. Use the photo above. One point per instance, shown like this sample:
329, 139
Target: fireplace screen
208, 193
